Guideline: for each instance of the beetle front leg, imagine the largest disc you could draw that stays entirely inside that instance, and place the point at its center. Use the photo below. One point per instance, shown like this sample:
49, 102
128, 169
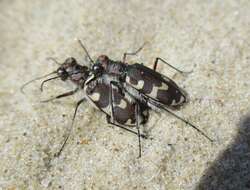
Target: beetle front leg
71, 127
61, 95
133, 53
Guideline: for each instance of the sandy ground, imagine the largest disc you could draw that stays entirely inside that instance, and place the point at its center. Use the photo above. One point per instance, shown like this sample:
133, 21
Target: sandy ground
212, 38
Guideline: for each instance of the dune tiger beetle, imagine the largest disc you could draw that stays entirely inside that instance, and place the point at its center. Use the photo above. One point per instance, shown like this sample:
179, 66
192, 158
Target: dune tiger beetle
146, 85
121, 109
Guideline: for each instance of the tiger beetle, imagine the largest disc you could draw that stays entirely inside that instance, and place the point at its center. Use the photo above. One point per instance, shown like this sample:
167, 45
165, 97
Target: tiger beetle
146, 85
123, 92
121, 109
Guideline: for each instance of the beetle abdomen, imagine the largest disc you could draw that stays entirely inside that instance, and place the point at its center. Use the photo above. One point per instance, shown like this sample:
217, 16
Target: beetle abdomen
123, 110
155, 86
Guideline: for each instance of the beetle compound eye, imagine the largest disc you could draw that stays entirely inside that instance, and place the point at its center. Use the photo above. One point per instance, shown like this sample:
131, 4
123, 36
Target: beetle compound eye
96, 68
62, 73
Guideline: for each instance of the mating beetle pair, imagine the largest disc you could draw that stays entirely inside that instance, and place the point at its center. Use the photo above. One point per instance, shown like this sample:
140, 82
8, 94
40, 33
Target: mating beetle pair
123, 92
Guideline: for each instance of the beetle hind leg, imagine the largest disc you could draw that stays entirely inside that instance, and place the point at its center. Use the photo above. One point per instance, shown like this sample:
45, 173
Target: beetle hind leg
138, 127
163, 61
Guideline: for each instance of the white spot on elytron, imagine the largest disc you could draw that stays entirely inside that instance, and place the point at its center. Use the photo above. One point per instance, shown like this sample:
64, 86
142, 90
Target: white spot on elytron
137, 86
129, 122
182, 99
155, 89
123, 104
174, 103
95, 96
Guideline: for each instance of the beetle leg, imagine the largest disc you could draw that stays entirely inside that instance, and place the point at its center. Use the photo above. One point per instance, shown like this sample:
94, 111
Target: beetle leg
61, 95
188, 123
71, 127
159, 105
124, 127
111, 99
138, 127
133, 53
160, 59
111, 120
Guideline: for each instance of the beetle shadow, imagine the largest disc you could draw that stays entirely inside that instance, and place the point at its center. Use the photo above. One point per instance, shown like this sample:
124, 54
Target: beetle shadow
231, 170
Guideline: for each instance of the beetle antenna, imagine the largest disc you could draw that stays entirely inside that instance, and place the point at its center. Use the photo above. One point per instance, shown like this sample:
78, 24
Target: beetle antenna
35, 79
54, 60
41, 87
86, 51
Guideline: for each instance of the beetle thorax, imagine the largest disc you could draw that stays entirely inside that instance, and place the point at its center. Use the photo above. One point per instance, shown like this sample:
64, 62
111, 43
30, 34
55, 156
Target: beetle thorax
103, 60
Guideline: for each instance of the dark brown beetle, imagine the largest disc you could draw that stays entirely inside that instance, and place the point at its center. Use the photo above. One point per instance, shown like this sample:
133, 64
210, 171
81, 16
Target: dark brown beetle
146, 85
121, 110
153, 85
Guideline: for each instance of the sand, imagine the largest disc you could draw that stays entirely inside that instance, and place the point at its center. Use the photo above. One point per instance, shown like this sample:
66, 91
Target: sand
211, 38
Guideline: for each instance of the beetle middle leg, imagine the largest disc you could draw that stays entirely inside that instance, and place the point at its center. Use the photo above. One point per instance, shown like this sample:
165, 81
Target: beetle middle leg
111, 119
163, 61
133, 53
136, 111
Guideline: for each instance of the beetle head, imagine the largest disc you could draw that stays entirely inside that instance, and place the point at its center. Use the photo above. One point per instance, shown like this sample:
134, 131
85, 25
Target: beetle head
70, 69
65, 70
